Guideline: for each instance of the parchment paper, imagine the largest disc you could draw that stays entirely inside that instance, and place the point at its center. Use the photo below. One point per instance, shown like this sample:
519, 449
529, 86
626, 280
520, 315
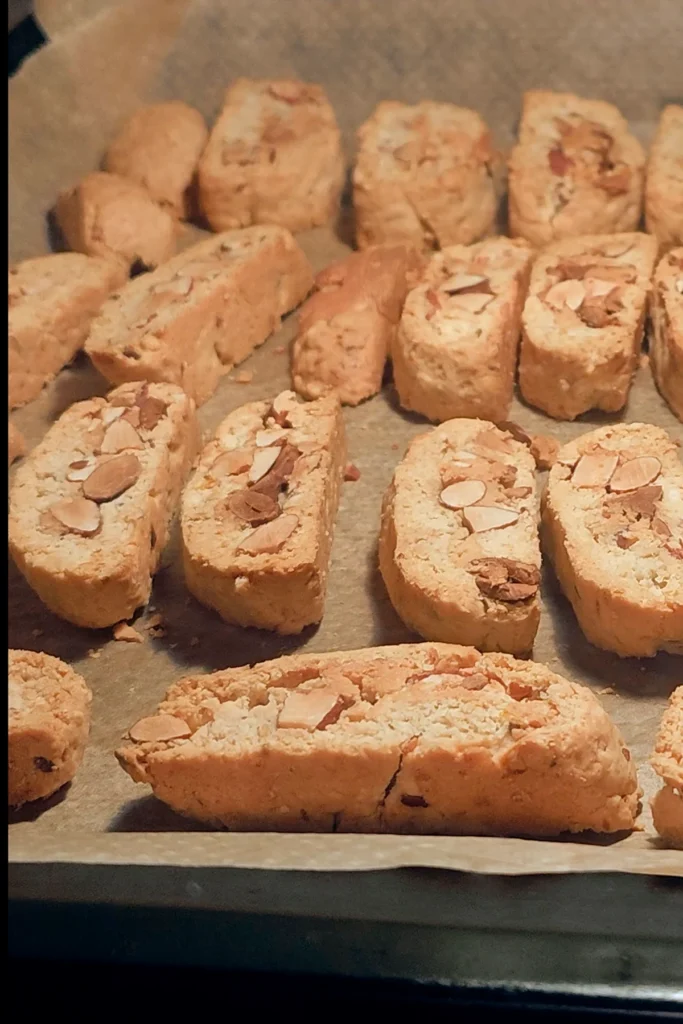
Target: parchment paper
65, 103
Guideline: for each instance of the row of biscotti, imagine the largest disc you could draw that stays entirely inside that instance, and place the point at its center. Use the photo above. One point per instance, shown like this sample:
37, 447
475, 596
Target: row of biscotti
422, 739
423, 174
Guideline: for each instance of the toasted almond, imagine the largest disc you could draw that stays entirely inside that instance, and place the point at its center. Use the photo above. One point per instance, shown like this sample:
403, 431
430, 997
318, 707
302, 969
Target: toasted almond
253, 507
230, 463
559, 162
626, 540
594, 470
112, 478
596, 287
264, 460
244, 377
268, 437
132, 416
470, 302
351, 472
635, 473
282, 406
566, 293
459, 282
269, 538
315, 709
158, 728
151, 411
80, 470
659, 527
127, 634
465, 493
480, 518
119, 436
111, 413
463, 456
612, 250
78, 515
679, 285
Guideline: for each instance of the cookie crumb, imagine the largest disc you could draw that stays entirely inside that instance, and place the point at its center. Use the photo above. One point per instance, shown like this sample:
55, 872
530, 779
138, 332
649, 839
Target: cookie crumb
351, 472
126, 633
606, 690
644, 361
92, 653
279, 350
394, 447
244, 377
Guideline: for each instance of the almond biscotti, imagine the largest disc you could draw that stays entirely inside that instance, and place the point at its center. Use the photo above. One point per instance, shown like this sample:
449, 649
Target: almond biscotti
458, 546
420, 738
159, 148
274, 156
52, 300
666, 336
208, 308
258, 514
105, 215
664, 183
423, 175
90, 507
455, 351
347, 326
582, 324
613, 527
575, 169
667, 761
48, 724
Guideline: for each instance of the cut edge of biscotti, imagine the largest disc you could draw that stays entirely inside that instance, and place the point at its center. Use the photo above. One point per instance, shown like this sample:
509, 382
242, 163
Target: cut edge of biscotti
416, 738
667, 761
666, 340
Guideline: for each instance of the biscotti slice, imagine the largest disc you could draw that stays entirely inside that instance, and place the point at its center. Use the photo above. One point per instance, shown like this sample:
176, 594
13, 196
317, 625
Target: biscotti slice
347, 326
613, 527
420, 738
48, 724
458, 545
666, 336
582, 324
52, 300
664, 183
455, 351
575, 169
113, 217
667, 761
15, 443
274, 156
208, 308
90, 507
423, 175
258, 515
159, 148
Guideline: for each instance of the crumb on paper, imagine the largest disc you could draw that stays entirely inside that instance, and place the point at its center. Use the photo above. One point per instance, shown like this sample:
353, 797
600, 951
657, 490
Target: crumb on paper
92, 653
279, 350
606, 689
351, 472
394, 447
244, 377
127, 634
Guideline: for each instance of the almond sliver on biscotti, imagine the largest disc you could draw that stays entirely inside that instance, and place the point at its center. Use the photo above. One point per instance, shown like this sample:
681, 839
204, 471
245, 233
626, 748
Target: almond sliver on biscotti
582, 324
666, 336
419, 738
192, 319
455, 351
667, 761
258, 514
90, 507
458, 548
613, 526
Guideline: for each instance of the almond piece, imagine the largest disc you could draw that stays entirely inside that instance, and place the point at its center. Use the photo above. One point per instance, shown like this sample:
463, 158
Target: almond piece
565, 293
480, 518
112, 478
282, 406
151, 411
269, 538
230, 463
594, 470
80, 470
158, 728
244, 377
626, 540
463, 282
264, 460
679, 285
596, 287
467, 492
111, 413
505, 579
351, 472
544, 450
253, 507
659, 527
266, 438
315, 709
119, 436
470, 302
132, 416
78, 515
635, 473
127, 634
518, 492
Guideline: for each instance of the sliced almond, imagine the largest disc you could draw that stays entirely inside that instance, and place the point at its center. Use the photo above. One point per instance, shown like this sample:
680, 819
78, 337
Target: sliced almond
132, 416
266, 438
127, 634
463, 456
231, 463
315, 709
465, 493
80, 470
78, 515
596, 287
544, 450
151, 411
635, 473
566, 293
351, 472
518, 492
626, 540
119, 436
459, 282
594, 470
679, 285
480, 518
661, 528
282, 406
112, 478
111, 413
264, 460
253, 507
158, 728
470, 302
269, 538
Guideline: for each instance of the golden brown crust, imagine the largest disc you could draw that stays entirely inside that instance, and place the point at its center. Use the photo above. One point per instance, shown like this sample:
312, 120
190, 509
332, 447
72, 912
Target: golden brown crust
666, 337
664, 184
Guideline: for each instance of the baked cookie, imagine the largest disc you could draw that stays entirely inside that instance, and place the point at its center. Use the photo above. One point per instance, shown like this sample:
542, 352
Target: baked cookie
346, 327
667, 761
258, 515
90, 507
582, 325
159, 147
576, 169
48, 724
274, 156
423, 176
208, 308
613, 526
52, 300
666, 336
458, 544
419, 738
105, 215
455, 351
15, 443
664, 182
